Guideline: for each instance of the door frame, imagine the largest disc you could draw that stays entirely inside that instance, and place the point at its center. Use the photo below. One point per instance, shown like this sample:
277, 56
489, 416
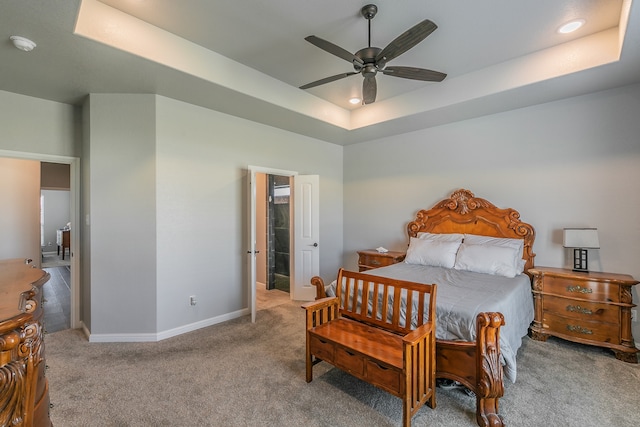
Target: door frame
74, 191
252, 170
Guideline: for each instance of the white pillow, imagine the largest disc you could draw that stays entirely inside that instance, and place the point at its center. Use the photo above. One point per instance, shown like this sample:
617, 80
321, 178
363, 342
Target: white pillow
489, 259
516, 244
432, 252
450, 237
475, 239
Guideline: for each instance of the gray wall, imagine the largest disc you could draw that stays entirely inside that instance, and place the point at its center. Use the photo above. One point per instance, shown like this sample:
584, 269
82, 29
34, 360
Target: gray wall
37, 126
202, 205
122, 214
166, 212
573, 162
569, 163
56, 215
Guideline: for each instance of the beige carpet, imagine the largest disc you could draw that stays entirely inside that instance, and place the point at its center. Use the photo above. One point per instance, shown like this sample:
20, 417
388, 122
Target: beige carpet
244, 374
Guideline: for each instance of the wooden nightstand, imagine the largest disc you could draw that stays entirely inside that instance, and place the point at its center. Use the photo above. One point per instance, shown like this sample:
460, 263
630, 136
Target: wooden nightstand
371, 258
590, 308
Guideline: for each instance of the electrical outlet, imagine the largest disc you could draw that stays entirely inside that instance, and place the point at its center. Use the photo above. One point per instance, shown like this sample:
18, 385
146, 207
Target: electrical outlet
634, 315
192, 300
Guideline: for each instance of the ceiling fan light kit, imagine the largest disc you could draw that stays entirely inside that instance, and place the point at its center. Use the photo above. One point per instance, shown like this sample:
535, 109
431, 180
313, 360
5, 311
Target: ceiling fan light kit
371, 60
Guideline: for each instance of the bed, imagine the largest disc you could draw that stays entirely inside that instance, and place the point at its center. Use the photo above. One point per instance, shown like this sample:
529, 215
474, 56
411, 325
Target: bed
484, 305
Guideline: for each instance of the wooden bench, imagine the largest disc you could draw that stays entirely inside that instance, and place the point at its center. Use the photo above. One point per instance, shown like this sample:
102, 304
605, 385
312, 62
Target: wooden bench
362, 332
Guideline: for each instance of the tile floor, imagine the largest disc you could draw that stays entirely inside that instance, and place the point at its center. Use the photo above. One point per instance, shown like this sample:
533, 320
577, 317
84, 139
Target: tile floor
57, 295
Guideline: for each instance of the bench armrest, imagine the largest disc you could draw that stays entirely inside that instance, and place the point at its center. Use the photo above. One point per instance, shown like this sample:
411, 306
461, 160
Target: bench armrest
415, 336
321, 311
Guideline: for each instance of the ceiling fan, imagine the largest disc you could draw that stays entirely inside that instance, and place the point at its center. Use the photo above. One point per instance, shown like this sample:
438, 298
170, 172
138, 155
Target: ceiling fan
371, 60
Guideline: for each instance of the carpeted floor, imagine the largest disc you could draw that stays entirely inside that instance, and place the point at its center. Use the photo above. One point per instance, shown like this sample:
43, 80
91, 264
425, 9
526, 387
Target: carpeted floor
244, 374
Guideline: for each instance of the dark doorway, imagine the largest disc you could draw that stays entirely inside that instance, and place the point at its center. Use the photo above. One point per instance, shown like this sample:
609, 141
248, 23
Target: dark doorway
278, 232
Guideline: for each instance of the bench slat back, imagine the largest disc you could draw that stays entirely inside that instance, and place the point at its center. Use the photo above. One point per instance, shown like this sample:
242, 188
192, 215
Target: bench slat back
381, 301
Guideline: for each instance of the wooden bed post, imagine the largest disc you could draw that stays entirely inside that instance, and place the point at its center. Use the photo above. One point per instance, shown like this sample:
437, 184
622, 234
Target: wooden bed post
490, 386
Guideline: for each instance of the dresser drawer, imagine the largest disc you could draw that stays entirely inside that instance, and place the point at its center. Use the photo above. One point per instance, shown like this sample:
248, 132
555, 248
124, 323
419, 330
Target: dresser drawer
384, 377
349, 361
576, 328
582, 310
323, 349
584, 289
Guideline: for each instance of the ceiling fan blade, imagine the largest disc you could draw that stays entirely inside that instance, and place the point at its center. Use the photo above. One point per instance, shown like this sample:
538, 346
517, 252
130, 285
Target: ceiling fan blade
334, 49
327, 80
405, 41
369, 90
414, 73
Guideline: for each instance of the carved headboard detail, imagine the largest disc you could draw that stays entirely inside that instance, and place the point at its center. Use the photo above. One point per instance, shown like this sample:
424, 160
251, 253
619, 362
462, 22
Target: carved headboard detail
463, 212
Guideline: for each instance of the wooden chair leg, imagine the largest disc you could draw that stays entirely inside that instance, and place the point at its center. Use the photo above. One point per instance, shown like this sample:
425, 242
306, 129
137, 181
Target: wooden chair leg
309, 362
406, 411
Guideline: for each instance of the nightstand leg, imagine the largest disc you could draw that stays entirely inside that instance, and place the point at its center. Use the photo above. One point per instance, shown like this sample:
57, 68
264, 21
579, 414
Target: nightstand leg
626, 356
538, 336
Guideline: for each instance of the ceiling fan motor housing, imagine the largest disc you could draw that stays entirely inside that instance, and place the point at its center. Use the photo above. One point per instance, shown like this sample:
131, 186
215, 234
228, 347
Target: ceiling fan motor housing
368, 57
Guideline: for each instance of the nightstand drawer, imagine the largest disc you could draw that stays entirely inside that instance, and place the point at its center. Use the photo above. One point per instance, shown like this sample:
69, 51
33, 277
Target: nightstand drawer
373, 259
591, 331
585, 289
582, 310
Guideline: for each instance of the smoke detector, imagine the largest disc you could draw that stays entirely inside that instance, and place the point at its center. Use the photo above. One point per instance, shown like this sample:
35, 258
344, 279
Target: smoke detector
23, 43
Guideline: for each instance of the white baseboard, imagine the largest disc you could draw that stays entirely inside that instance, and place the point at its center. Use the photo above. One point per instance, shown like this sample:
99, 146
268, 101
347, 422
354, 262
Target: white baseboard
153, 337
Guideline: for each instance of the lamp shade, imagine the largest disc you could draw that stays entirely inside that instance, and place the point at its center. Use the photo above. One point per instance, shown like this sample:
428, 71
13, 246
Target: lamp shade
586, 238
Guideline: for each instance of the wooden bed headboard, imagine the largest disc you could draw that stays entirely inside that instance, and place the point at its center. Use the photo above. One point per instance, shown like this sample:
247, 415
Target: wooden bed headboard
463, 212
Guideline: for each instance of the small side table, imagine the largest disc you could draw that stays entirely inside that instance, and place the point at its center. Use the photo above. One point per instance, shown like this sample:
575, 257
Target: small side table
590, 308
371, 258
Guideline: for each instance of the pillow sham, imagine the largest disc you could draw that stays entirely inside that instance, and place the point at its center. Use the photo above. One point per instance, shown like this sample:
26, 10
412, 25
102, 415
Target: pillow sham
489, 259
516, 244
448, 237
432, 252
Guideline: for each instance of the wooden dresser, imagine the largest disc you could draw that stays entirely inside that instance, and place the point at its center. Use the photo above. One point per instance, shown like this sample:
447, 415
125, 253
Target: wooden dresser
371, 258
590, 308
24, 391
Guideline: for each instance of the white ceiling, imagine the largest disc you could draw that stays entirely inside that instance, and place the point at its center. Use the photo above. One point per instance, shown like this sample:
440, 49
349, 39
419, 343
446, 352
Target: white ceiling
248, 58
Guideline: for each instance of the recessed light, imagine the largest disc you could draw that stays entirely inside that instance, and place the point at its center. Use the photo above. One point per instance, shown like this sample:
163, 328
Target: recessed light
570, 27
355, 101
23, 43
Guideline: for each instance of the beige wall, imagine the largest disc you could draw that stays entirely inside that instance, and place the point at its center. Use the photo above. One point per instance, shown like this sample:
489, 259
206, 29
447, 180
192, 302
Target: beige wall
261, 228
20, 212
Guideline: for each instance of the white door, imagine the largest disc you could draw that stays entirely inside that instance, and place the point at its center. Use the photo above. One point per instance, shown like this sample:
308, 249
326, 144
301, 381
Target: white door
306, 245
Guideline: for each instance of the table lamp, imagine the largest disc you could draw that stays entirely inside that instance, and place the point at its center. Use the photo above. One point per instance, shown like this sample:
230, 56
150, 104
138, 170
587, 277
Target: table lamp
581, 240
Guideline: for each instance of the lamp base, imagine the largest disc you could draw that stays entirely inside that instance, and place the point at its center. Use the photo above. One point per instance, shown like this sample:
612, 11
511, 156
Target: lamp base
580, 260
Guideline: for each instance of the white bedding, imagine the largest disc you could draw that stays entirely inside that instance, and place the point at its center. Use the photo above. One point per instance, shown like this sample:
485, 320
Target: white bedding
461, 295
